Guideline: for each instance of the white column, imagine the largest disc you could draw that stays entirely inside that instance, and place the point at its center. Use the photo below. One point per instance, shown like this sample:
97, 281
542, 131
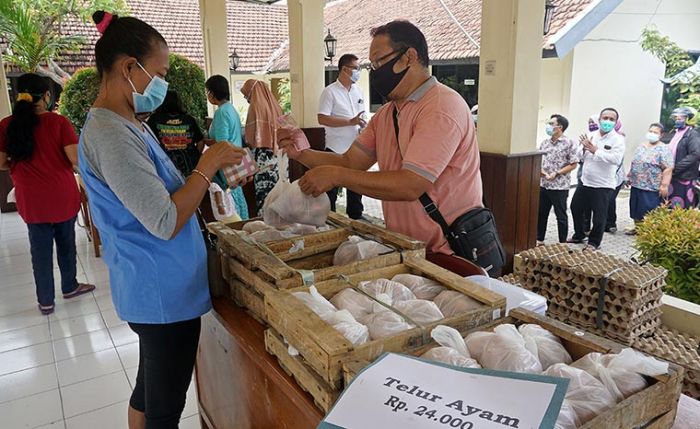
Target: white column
509, 75
213, 17
306, 58
5, 105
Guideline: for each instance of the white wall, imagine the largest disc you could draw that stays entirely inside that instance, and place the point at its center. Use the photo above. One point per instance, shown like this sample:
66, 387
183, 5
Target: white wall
555, 92
610, 68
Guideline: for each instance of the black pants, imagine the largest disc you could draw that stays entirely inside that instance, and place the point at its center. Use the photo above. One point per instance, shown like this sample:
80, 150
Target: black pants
553, 198
354, 201
584, 201
612, 209
166, 360
41, 239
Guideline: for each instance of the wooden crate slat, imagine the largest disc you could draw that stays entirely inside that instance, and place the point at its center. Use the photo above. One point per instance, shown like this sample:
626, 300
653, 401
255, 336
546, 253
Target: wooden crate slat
323, 394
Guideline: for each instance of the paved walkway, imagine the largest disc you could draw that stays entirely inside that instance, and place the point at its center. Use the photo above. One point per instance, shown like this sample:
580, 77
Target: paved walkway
617, 244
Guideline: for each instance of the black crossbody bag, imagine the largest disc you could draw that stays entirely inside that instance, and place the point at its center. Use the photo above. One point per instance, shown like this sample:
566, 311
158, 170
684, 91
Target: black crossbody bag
473, 235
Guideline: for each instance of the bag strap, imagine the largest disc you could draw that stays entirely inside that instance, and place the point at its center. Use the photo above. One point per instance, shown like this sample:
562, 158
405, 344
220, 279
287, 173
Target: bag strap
428, 204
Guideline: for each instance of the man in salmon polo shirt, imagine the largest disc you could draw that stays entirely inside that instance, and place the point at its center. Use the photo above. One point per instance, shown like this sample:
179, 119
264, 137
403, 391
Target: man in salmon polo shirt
436, 151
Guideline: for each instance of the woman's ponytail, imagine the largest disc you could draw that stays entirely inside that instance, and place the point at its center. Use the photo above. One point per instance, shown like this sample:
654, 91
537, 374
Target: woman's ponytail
20, 130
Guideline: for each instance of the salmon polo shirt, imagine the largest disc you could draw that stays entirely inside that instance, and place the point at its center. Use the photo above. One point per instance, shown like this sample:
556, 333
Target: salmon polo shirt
437, 140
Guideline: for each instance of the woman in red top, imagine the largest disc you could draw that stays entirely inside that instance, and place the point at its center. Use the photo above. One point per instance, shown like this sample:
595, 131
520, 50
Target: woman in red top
40, 148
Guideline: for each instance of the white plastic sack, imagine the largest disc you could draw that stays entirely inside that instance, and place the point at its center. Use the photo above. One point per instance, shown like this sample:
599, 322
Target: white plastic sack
586, 395
421, 311
271, 235
453, 350
286, 204
567, 417
358, 249
317, 303
354, 331
453, 303
503, 349
420, 286
516, 297
385, 324
451, 357
357, 304
621, 373
222, 204
256, 226
545, 345
382, 289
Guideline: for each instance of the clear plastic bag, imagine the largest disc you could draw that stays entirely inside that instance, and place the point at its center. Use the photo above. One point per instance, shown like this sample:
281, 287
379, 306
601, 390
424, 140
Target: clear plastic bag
503, 349
421, 311
420, 286
357, 304
271, 235
453, 303
622, 374
351, 329
586, 396
358, 249
385, 324
317, 303
256, 226
222, 204
545, 345
287, 204
453, 350
302, 229
567, 417
387, 291
516, 297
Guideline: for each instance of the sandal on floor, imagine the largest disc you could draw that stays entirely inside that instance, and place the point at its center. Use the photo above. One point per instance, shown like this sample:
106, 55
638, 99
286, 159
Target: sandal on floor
46, 309
82, 289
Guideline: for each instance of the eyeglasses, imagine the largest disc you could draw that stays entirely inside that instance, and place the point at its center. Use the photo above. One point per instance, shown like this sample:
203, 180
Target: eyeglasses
374, 65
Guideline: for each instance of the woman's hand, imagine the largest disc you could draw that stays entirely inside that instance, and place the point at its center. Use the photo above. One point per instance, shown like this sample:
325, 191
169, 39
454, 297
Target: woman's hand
291, 141
663, 191
218, 156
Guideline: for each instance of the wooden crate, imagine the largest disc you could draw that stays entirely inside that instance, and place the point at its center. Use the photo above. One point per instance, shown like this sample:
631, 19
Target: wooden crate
324, 349
653, 407
279, 265
324, 395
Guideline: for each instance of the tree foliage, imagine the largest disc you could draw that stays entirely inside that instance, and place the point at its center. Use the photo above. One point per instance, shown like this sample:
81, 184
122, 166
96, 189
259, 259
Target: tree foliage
78, 95
35, 35
676, 59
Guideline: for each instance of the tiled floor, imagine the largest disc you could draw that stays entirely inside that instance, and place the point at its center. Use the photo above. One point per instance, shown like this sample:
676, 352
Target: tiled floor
75, 368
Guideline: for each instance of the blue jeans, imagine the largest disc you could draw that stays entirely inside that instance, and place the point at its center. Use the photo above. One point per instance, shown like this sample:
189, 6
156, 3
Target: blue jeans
41, 239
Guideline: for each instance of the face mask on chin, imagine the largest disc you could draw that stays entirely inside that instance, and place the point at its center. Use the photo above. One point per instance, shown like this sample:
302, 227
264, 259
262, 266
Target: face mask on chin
384, 80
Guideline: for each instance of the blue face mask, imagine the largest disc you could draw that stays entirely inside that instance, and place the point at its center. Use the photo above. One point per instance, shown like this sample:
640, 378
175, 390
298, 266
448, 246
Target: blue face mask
679, 124
152, 96
549, 129
355, 76
607, 126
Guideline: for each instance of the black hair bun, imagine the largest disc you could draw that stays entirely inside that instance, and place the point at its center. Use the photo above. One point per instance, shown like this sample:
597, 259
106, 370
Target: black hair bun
98, 16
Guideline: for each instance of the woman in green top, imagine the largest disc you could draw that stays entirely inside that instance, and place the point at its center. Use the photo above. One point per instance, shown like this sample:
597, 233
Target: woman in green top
226, 126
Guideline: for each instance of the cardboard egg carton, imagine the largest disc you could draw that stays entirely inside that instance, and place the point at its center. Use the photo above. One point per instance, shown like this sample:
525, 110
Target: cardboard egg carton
531, 260
559, 267
589, 312
510, 278
626, 335
613, 305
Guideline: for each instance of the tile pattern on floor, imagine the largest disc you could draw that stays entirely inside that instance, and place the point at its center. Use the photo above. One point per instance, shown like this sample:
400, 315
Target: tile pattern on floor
74, 369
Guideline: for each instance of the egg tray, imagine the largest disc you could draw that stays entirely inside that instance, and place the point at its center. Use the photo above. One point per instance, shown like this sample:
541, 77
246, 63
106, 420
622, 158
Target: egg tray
511, 279
649, 312
616, 306
624, 336
531, 260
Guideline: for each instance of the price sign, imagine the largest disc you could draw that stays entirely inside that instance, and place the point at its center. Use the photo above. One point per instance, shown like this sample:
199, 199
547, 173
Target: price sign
404, 392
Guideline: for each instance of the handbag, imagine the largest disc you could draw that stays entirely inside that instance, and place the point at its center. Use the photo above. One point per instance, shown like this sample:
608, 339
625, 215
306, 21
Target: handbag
473, 235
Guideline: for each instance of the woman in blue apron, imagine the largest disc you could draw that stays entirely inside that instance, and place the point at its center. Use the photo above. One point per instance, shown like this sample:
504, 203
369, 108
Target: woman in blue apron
144, 209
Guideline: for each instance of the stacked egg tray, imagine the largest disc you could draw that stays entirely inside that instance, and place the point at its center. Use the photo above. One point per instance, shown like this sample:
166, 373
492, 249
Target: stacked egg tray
572, 281
680, 348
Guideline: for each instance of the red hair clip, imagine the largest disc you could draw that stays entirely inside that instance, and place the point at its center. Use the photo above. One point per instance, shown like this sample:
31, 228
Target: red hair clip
106, 20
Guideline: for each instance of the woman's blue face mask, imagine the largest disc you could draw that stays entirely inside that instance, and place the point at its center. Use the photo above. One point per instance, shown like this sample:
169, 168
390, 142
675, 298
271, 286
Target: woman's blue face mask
152, 96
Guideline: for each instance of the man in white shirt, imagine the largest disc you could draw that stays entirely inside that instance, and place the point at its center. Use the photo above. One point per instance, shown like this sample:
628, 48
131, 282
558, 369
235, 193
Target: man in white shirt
340, 111
601, 153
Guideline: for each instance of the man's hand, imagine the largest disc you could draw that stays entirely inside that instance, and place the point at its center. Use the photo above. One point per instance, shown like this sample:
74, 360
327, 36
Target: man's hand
357, 120
319, 180
587, 144
551, 176
286, 139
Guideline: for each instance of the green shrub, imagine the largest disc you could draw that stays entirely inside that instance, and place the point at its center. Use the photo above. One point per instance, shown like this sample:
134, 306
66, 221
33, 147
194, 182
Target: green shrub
184, 76
78, 95
187, 78
671, 238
